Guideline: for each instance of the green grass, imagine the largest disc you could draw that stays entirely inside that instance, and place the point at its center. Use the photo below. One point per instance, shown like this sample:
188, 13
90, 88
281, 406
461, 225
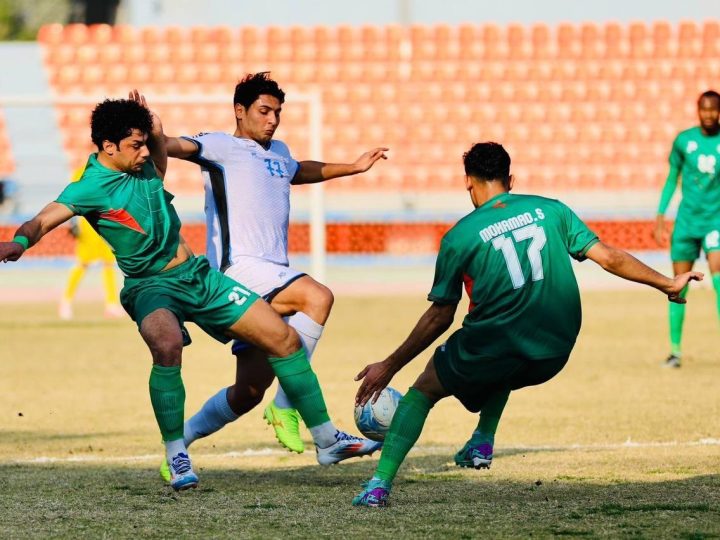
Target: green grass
257, 502
563, 466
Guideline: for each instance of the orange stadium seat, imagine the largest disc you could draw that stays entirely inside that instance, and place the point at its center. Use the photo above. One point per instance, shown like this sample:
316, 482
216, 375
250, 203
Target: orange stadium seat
586, 95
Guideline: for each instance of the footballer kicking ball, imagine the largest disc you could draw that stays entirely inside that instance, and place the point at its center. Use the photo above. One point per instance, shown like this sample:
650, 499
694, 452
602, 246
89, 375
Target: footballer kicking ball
373, 419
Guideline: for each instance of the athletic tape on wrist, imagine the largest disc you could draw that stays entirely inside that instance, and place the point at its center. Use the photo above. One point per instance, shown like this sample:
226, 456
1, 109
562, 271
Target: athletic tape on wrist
22, 240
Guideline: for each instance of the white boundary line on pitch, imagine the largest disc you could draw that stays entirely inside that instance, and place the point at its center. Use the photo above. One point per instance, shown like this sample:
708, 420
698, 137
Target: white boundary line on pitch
265, 452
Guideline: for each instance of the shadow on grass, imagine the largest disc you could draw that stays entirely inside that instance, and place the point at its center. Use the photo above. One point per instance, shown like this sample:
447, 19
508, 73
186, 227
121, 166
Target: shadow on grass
430, 499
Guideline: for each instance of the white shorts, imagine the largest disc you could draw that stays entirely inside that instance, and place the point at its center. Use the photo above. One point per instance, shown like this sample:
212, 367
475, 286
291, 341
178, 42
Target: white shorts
264, 278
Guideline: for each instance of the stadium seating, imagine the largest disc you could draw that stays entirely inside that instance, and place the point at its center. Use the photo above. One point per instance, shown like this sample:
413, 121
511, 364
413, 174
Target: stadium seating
594, 104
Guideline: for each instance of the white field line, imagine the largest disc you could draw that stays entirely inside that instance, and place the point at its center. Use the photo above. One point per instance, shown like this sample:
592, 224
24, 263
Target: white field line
427, 450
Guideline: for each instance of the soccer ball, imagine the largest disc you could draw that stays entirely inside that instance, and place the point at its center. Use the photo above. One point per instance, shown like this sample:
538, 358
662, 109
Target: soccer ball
373, 419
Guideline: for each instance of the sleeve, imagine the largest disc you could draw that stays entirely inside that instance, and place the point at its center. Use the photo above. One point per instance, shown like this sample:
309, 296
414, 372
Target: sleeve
213, 147
448, 284
677, 156
82, 198
676, 160
579, 238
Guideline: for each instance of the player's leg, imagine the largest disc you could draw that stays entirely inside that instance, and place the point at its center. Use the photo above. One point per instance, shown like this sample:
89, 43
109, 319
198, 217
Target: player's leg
712, 249
112, 307
263, 327
161, 331
77, 272
310, 303
405, 428
252, 377
478, 450
676, 317
684, 251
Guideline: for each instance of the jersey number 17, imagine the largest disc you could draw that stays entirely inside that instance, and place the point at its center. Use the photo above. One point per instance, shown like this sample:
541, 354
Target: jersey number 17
506, 244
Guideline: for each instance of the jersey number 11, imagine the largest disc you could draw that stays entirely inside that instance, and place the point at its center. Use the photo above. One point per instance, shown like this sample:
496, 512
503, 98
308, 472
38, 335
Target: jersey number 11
536, 235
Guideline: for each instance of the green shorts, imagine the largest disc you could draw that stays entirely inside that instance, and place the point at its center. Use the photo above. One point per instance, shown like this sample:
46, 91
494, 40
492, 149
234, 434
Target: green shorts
686, 245
193, 292
473, 382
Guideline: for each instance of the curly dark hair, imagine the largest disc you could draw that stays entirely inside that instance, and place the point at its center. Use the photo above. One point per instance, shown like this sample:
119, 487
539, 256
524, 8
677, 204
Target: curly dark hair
114, 119
488, 161
255, 84
710, 94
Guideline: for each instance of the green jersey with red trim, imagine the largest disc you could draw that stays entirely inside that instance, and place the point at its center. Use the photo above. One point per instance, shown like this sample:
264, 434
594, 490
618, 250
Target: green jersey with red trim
511, 255
132, 212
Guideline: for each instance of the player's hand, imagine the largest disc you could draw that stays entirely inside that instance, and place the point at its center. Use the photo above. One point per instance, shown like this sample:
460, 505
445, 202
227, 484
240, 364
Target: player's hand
375, 377
679, 284
10, 251
137, 97
660, 233
368, 159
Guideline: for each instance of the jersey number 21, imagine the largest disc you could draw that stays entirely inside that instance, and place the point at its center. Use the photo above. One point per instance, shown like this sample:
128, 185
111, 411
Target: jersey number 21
536, 235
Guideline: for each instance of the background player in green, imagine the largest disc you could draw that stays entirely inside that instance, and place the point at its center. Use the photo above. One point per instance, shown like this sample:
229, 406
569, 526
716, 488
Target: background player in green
511, 255
695, 157
122, 196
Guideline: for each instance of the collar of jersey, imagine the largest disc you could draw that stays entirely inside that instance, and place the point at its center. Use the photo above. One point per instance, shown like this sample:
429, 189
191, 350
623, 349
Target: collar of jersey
493, 200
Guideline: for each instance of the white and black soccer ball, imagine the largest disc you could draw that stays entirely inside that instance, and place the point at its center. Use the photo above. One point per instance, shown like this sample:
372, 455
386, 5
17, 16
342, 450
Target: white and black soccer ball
373, 419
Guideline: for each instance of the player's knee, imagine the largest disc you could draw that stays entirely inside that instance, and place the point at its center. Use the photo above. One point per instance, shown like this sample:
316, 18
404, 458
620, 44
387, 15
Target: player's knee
287, 343
167, 351
320, 301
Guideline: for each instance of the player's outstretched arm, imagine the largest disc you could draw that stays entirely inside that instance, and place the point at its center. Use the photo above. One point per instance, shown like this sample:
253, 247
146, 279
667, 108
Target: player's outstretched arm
178, 147
156, 139
624, 265
660, 233
431, 326
32, 231
312, 172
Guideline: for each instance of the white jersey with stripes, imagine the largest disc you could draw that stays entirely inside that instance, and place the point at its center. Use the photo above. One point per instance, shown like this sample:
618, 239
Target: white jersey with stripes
247, 197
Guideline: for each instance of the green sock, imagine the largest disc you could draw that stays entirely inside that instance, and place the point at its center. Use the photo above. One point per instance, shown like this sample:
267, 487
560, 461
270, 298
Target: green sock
167, 395
300, 383
716, 285
405, 428
677, 317
490, 418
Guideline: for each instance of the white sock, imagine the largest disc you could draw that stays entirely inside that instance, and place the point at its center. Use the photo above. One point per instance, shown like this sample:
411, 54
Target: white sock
173, 448
324, 434
309, 332
211, 417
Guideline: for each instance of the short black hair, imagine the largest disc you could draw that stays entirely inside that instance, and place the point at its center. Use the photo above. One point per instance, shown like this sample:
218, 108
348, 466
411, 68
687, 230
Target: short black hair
710, 94
114, 119
488, 161
253, 85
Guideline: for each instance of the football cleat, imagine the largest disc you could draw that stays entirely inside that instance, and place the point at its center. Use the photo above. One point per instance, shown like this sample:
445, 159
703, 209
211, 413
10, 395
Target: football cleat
114, 311
672, 361
285, 422
65, 310
375, 494
182, 476
346, 446
165, 471
477, 456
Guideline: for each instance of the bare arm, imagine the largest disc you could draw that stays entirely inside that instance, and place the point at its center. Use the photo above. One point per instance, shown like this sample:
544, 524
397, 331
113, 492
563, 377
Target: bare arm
660, 232
311, 172
178, 147
624, 265
49, 217
156, 139
431, 326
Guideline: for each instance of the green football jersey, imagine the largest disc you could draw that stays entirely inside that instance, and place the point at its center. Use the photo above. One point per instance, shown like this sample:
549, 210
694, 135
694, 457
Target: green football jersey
697, 157
132, 212
511, 254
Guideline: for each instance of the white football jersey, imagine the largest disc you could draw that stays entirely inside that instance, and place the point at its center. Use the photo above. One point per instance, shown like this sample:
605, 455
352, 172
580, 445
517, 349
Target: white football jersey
247, 197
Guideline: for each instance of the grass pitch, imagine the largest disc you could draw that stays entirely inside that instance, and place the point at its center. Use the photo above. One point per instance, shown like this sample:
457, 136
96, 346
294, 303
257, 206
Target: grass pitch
613, 446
